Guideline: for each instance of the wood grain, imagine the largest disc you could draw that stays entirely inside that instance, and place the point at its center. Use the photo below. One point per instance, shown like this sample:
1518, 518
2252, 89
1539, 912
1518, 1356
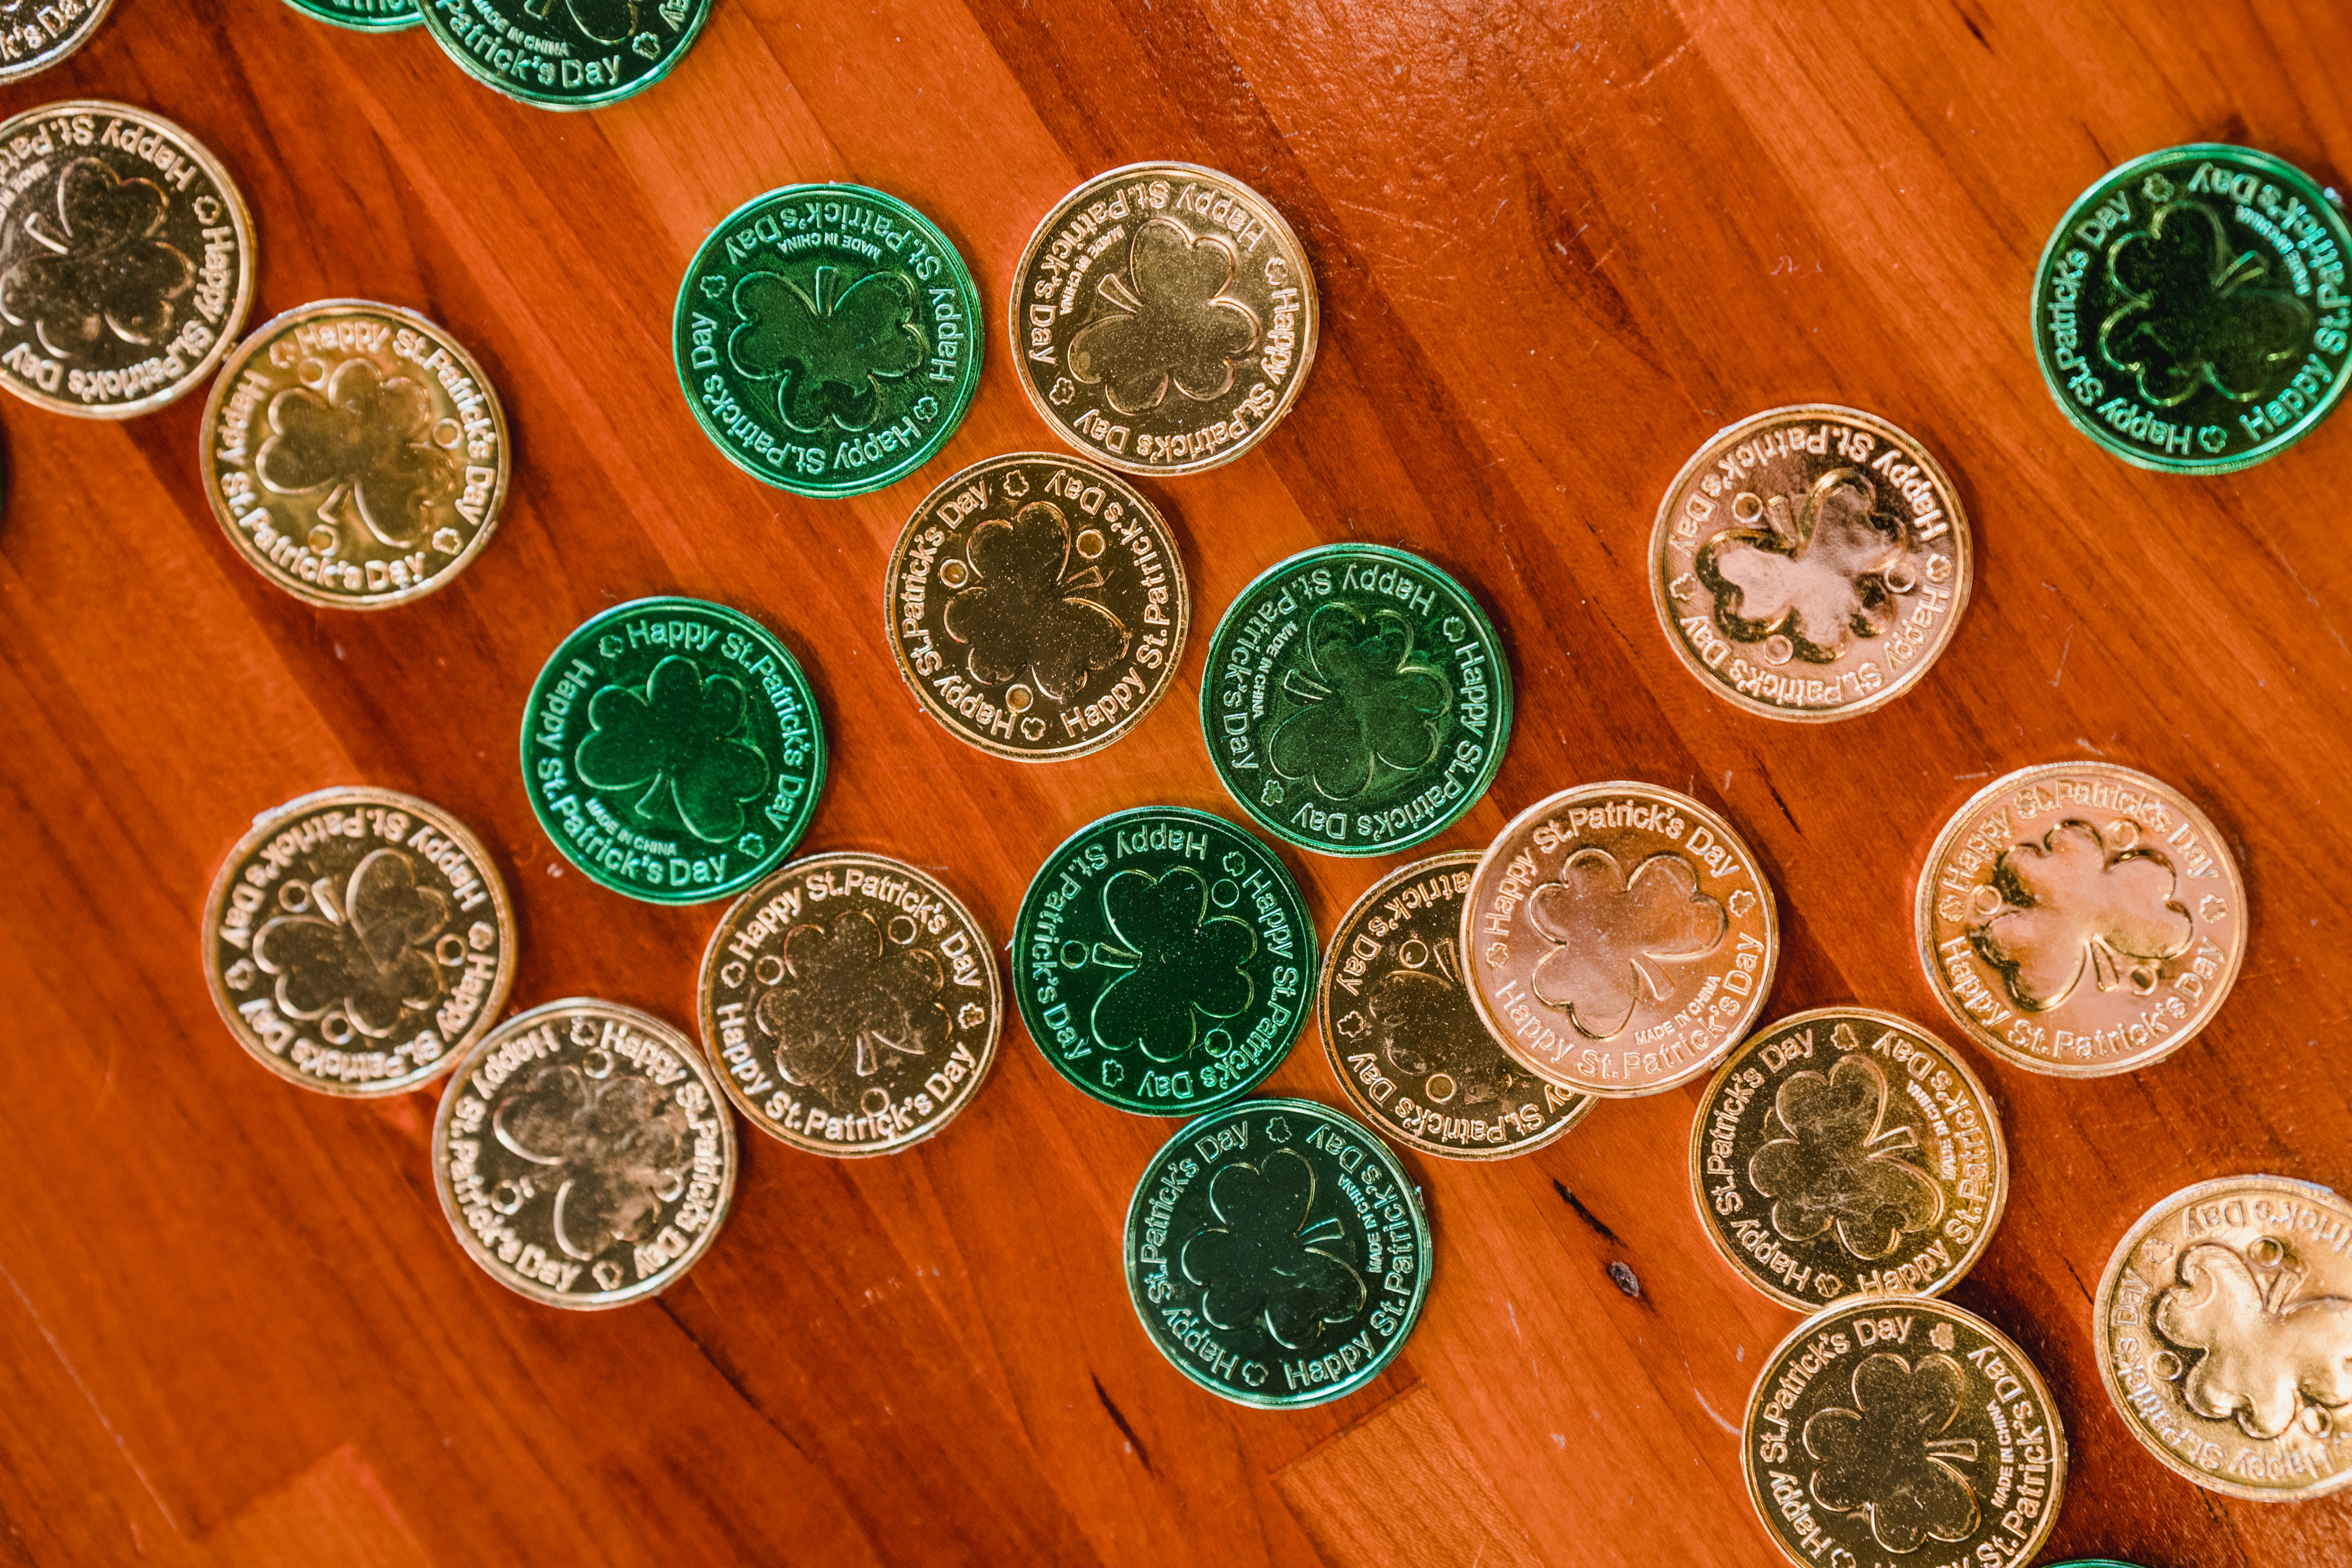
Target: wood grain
1559, 243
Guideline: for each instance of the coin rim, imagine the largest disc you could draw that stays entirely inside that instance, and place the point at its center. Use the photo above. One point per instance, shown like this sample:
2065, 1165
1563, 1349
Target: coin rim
2278, 168
1923, 916
99, 9
1309, 291
1967, 1257
923, 695
269, 822
539, 99
2101, 1343
1405, 1185
312, 9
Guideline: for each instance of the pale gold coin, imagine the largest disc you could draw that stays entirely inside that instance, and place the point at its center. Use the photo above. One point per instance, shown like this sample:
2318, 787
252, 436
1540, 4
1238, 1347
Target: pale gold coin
358, 941
2081, 918
1620, 937
2224, 1331
36, 34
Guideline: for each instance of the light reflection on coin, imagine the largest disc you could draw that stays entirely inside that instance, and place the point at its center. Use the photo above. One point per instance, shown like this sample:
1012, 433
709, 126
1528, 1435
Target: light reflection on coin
565, 53
36, 34
362, 16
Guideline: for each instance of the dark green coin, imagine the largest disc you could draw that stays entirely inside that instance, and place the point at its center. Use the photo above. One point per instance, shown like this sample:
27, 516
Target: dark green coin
1356, 699
566, 54
1164, 960
673, 750
1277, 1253
365, 16
2191, 312
827, 338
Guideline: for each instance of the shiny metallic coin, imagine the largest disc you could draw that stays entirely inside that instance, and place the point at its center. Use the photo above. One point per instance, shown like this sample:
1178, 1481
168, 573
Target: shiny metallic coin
1810, 562
1164, 318
1036, 605
1620, 937
566, 54
584, 1155
1277, 1253
2224, 1326
36, 34
126, 259
1402, 1038
358, 941
2081, 918
1846, 1152
362, 16
354, 453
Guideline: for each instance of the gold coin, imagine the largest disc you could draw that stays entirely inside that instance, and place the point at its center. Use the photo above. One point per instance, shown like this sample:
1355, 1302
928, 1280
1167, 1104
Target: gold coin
1879, 1428
1622, 937
2081, 918
1847, 1151
358, 941
851, 1004
1403, 1039
2224, 1333
584, 1155
1164, 318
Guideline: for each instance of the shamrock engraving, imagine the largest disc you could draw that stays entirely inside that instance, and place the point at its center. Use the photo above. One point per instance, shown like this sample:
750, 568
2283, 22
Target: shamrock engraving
1268, 1260
2269, 1361
845, 1000
1887, 1458
2068, 906
832, 344
1840, 1166
364, 947
606, 21
1027, 612
98, 267
1182, 963
1164, 320
2193, 315
1611, 931
1817, 574
683, 737
369, 438
614, 1151
1366, 702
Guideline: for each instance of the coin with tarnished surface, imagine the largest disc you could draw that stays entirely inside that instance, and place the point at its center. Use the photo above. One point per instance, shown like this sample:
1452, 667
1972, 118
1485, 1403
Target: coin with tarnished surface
1846, 1152
584, 1155
2224, 1331
851, 1004
126, 259
1403, 1040
354, 453
2081, 918
1164, 960
1036, 605
1810, 562
565, 53
1356, 699
1620, 937
2190, 313
36, 34
362, 16
1900, 1430
1277, 1253
827, 338
672, 750
358, 941
1164, 318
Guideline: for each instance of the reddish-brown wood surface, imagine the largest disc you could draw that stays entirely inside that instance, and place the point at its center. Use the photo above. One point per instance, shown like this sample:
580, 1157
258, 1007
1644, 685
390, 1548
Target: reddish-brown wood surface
1558, 245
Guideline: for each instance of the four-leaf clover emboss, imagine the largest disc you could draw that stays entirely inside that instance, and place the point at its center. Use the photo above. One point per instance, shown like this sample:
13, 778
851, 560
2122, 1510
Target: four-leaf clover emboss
681, 735
2194, 315
606, 21
1180, 962
1026, 611
369, 437
1366, 702
2268, 1360
2069, 906
1817, 573
844, 1002
1838, 1165
1268, 1260
364, 946
614, 1151
99, 267
829, 346
1887, 1457
1609, 930
1165, 319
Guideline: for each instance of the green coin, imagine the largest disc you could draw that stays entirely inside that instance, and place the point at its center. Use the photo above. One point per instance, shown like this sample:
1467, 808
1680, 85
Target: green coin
827, 338
2190, 313
565, 53
365, 16
1356, 699
1277, 1253
673, 750
1164, 960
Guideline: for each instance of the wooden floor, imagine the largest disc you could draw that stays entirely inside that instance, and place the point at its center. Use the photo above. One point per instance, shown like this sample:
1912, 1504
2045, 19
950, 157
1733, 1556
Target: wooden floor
1558, 245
